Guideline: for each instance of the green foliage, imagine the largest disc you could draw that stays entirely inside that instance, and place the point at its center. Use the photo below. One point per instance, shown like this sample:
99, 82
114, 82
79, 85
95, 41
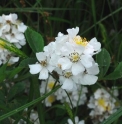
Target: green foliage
117, 73
113, 117
2, 72
103, 59
5, 44
28, 104
69, 111
16, 89
35, 40
24, 63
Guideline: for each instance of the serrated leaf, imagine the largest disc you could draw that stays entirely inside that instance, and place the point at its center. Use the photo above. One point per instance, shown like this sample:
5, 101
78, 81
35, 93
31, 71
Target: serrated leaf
34, 40
17, 88
7, 45
113, 117
24, 63
116, 74
103, 59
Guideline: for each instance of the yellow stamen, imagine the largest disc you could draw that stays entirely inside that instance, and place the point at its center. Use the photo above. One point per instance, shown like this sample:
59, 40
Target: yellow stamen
67, 74
60, 66
101, 102
74, 57
80, 41
51, 99
43, 63
51, 84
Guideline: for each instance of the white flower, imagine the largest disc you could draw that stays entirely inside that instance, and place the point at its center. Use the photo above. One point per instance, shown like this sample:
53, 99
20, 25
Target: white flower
93, 47
76, 121
74, 59
78, 97
12, 60
46, 87
102, 105
34, 117
43, 67
12, 29
21, 121
11, 18
68, 80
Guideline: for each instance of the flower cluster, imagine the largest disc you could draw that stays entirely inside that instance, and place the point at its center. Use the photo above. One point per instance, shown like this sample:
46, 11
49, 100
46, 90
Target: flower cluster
102, 104
11, 29
77, 97
71, 56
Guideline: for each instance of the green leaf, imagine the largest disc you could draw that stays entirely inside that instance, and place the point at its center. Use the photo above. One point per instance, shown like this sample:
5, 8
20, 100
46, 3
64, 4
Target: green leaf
2, 72
23, 77
113, 117
2, 98
12, 73
28, 104
103, 59
35, 40
103, 32
7, 45
17, 88
69, 110
24, 63
116, 74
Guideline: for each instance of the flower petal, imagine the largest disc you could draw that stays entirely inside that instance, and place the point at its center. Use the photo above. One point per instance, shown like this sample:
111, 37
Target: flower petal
77, 68
89, 79
43, 74
41, 56
65, 63
86, 60
73, 32
95, 44
68, 84
35, 68
93, 69
50, 68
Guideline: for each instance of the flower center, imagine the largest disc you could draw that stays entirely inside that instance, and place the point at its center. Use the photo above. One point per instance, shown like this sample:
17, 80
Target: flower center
59, 65
102, 103
50, 85
74, 57
80, 41
51, 99
8, 21
67, 74
43, 63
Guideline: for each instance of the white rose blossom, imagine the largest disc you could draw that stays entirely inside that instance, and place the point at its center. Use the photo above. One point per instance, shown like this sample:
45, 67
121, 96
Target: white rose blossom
102, 104
42, 67
71, 56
